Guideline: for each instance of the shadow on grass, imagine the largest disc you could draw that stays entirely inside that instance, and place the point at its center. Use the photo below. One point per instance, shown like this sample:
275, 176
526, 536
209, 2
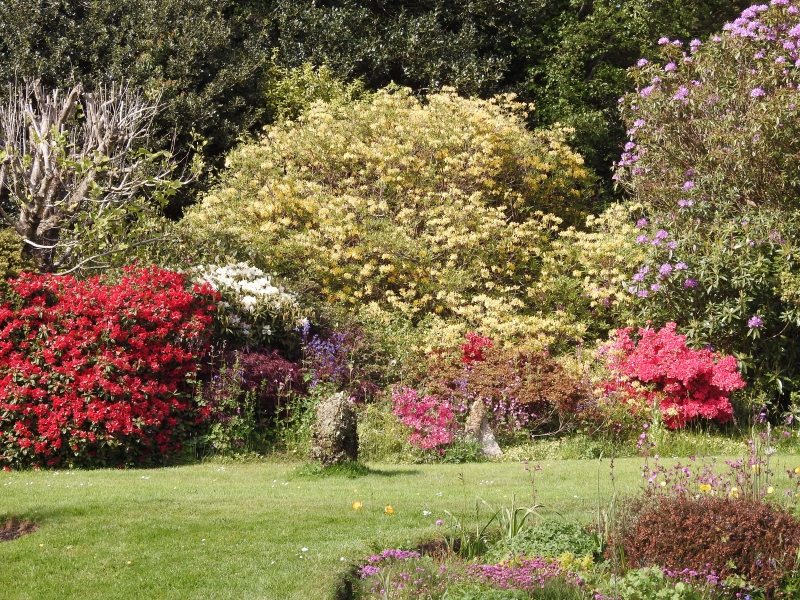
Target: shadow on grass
348, 470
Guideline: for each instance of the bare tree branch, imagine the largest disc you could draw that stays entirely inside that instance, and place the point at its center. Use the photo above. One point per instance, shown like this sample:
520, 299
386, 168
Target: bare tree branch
72, 157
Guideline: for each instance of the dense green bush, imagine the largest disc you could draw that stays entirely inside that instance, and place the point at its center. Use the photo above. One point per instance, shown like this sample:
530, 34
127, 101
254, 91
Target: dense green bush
12, 262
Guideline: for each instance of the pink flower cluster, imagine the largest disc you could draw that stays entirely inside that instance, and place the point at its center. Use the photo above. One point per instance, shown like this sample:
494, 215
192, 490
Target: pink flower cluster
686, 384
432, 420
527, 574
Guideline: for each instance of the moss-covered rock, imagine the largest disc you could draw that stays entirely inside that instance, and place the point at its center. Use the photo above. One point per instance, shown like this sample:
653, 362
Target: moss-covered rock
335, 434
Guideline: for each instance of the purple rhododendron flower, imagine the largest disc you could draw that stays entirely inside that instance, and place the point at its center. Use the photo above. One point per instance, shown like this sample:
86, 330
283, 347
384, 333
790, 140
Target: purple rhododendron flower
643, 294
685, 203
661, 234
641, 223
670, 66
757, 92
672, 245
642, 62
755, 322
665, 269
639, 123
688, 185
683, 92
642, 239
680, 266
639, 277
662, 41
690, 283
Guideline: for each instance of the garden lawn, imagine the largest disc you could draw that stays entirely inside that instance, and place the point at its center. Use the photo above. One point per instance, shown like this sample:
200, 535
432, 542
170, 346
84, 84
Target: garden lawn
256, 530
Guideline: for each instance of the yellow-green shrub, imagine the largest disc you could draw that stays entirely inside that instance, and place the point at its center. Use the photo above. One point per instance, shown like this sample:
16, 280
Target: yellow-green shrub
12, 262
583, 270
436, 210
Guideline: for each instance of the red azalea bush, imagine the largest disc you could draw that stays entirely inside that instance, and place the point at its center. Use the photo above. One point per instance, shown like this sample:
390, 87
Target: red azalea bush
472, 350
686, 384
431, 419
94, 373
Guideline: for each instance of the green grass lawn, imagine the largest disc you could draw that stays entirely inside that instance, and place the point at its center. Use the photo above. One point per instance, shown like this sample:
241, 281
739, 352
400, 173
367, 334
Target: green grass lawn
239, 530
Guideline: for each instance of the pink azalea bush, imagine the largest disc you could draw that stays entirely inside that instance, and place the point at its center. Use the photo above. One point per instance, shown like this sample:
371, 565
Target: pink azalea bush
431, 419
660, 369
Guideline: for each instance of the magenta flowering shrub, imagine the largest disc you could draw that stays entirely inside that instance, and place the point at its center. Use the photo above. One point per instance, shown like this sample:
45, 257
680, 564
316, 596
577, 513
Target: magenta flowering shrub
432, 420
526, 574
685, 384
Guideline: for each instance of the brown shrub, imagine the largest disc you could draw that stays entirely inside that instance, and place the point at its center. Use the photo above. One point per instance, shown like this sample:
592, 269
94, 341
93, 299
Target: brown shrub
519, 389
756, 540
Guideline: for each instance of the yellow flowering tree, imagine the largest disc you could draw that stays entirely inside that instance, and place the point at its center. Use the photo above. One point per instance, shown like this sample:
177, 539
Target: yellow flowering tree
437, 210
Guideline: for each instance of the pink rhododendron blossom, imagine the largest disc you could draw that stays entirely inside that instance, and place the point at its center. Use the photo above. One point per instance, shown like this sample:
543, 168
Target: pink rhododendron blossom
661, 371
432, 420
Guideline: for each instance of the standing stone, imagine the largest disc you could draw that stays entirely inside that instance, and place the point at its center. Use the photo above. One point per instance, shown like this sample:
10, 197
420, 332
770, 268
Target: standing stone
334, 434
478, 427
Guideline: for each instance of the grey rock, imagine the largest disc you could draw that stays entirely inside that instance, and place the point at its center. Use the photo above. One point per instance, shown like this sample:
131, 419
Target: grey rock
334, 434
478, 427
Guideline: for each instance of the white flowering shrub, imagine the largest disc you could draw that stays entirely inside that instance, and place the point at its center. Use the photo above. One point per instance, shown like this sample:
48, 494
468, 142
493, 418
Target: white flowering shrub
252, 309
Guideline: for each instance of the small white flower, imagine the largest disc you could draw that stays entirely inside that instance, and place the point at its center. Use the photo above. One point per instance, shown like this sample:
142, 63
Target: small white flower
303, 549
425, 513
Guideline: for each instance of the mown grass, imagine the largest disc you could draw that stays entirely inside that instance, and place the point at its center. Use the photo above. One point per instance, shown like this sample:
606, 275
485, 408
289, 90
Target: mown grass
218, 530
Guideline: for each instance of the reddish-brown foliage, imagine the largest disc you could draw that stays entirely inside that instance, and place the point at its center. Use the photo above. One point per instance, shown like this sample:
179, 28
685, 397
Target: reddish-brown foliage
267, 374
528, 388
756, 540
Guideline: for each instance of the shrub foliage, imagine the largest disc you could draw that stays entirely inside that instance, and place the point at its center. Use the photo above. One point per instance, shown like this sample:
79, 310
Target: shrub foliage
435, 209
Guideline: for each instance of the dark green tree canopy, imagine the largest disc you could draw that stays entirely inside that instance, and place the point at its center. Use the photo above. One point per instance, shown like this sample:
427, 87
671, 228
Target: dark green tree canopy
213, 61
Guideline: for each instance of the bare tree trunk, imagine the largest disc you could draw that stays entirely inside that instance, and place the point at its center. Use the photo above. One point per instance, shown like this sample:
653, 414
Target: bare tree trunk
67, 160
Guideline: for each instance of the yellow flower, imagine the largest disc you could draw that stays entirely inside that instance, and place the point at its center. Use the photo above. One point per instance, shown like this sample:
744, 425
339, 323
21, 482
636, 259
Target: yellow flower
663, 484
770, 490
756, 468
734, 493
357, 505
797, 470
388, 510
705, 487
